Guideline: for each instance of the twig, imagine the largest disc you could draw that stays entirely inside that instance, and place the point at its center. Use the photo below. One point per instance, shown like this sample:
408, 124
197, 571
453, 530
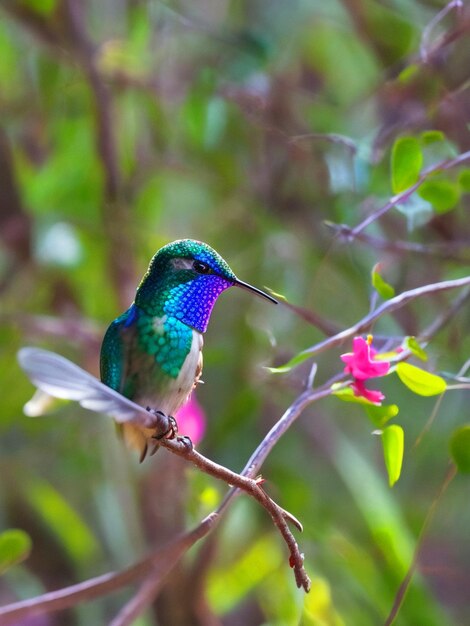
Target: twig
427, 31
404, 195
261, 453
311, 376
387, 307
159, 563
447, 315
463, 369
311, 317
442, 251
428, 333
254, 464
251, 468
139, 601
252, 487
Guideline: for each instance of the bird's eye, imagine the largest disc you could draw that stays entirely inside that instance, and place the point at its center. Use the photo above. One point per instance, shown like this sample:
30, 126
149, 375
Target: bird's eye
201, 268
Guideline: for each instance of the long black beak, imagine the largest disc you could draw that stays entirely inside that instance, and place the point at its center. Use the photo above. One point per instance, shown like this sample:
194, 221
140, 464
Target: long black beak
247, 287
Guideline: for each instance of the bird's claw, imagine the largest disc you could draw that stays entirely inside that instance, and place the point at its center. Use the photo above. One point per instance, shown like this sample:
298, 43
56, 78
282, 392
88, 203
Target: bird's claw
186, 442
161, 417
172, 429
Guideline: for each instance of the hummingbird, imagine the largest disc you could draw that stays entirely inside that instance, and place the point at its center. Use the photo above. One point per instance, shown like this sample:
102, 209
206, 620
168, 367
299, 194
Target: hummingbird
152, 353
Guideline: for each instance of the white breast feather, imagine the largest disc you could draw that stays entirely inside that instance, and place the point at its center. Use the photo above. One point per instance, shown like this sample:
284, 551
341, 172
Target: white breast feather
179, 389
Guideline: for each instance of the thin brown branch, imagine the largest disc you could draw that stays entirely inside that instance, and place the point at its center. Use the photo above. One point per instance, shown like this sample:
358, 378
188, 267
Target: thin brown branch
160, 562
327, 327
387, 307
425, 46
407, 193
445, 317
139, 601
448, 251
251, 468
252, 487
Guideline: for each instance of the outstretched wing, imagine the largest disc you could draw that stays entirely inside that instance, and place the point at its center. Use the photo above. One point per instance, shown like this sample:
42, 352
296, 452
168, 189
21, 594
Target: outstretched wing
61, 378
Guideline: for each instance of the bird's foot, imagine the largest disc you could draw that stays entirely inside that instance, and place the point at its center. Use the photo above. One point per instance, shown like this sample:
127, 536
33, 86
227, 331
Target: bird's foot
169, 433
161, 419
172, 429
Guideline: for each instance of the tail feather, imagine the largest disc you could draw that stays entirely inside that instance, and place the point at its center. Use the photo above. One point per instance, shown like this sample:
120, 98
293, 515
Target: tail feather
136, 438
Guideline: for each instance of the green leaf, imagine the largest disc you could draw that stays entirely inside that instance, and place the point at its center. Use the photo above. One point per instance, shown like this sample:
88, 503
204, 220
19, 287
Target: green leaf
15, 546
347, 395
419, 381
431, 136
384, 290
407, 160
464, 180
393, 444
296, 360
413, 346
460, 448
442, 194
379, 415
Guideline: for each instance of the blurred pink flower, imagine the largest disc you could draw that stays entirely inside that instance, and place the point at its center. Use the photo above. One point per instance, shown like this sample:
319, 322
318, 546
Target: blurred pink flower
191, 420
362, 364
360, 389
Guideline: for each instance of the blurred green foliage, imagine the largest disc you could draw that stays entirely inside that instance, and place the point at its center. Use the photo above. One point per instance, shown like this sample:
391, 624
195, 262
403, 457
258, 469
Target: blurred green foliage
248, 125
15, 545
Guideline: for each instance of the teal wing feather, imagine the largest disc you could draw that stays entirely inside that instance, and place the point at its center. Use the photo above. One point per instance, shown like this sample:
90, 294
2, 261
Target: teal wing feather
114, 369
113, 351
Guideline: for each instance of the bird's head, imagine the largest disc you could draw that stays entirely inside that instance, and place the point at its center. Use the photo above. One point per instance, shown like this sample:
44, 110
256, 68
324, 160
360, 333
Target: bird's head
184, 279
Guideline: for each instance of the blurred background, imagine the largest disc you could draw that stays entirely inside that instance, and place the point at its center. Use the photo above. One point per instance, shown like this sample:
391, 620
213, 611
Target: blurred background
251, 125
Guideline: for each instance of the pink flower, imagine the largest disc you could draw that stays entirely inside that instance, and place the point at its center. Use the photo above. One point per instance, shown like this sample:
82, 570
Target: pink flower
191, 420
362, 364
360, 389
